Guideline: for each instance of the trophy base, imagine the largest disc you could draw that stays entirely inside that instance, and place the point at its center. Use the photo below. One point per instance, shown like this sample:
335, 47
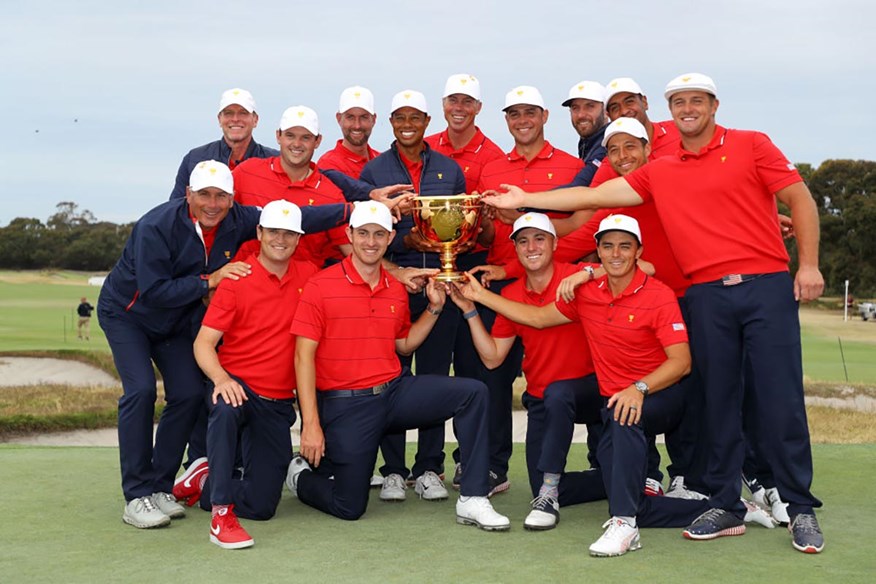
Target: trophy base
450, 276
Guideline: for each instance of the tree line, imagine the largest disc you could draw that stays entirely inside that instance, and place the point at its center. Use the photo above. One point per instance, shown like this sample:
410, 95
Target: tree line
844, 190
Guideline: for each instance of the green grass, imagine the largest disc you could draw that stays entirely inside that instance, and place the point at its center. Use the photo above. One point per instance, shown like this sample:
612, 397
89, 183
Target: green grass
822, 359
42, 316
62, 523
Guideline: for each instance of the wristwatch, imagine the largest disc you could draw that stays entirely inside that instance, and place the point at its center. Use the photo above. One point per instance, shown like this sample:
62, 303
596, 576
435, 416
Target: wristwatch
642, 387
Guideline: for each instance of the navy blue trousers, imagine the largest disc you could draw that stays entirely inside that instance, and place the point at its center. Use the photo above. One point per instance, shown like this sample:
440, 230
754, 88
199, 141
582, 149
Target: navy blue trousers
261, 427
623, 459
147, 469
550, 425
353, 428
756, 320
448, 343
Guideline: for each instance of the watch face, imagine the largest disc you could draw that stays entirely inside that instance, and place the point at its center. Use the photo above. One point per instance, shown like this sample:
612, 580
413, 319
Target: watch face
642, 386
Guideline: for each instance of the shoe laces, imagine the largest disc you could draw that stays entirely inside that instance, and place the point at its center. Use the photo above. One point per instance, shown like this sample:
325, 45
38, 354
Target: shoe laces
614, 526
543, 501
148, 504
806, 523
429, 479
394, 481
167, 497
713, 514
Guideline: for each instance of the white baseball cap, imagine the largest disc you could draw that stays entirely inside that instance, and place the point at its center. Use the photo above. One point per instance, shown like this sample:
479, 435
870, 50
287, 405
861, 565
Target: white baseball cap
523, 95
592, 90
281, 215
621, 85
463, 83
356, 96
630, 126
300, 116
690, 82
409, 98
237, 96
534, 220
619, 223
365, 212
211, 173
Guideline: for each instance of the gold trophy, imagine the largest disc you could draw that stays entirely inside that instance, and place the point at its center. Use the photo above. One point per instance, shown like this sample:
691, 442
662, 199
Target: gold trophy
450, 221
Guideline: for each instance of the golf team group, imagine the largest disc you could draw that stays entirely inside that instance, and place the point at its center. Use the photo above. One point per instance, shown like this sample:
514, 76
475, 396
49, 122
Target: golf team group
641, 286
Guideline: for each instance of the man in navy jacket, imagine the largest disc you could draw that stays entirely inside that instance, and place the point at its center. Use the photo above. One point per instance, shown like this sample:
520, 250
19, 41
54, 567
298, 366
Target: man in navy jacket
148, 307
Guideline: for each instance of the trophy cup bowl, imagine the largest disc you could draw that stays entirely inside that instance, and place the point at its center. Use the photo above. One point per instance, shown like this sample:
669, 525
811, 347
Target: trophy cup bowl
450, 221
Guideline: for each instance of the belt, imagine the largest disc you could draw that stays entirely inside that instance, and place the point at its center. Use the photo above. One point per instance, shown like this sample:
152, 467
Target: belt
735, 279
276, 400
338, 393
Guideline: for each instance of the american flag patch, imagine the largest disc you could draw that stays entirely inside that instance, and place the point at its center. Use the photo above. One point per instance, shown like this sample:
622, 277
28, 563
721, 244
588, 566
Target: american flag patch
678, 326
732, 279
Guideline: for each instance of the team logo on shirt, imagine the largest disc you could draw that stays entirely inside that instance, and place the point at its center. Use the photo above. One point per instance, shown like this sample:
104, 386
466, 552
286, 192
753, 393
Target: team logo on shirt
723, 159
309, 202
227, 255
392, 308
466, 170
550, 176
440, 175
678, 326
631, 317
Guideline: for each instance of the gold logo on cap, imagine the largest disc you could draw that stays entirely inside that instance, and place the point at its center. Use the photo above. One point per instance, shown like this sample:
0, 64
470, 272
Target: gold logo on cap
407, 96
528, 218
300, 113
519, 92
614, 84
580, 88
357, 95
285, 211
213, 170
373, 208
236, 92
619, 123
463, 81
685, 79
617, 220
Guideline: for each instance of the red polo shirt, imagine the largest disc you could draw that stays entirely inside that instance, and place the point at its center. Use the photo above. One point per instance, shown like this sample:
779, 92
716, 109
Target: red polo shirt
551, 354
255, 314
720, 204
471, 158
356, 327
627, 334
551, 168
344, 160
414, 168
258, 181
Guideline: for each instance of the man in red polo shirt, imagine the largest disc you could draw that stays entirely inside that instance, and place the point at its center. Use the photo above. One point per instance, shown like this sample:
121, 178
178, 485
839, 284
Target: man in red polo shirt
719, 193
352, 320
462, 140
356, 117
532, 161
253, 381
294, 177
638, 341
561, 388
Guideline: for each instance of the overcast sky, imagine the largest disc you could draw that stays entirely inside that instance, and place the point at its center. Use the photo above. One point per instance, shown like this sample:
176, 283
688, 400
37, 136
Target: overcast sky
104, 98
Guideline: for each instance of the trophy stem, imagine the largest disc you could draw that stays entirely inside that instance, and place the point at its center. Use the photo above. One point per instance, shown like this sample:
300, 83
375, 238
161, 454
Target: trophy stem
448, 271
